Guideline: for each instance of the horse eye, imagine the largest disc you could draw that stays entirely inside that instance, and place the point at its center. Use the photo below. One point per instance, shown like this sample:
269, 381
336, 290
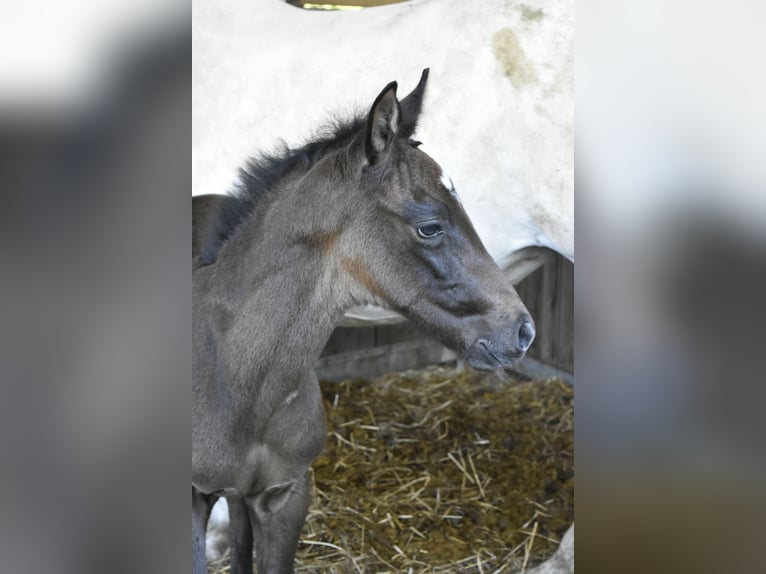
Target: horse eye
429, 231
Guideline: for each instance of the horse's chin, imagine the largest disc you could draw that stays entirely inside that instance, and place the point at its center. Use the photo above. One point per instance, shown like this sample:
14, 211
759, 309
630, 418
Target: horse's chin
483, 356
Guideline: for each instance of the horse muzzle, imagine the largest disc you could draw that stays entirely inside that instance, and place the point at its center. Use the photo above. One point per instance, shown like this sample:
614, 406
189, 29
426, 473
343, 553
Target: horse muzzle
501, 352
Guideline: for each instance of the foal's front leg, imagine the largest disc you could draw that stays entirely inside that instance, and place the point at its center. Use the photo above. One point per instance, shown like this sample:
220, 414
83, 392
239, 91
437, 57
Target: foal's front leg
202, 504
240, 536
277, 516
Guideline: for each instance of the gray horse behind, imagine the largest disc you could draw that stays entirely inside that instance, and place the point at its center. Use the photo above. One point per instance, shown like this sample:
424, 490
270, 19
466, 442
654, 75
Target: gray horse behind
361, 215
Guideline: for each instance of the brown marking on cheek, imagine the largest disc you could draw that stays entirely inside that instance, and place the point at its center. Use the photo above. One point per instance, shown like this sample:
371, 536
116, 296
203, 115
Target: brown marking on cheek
359, 271
322, 242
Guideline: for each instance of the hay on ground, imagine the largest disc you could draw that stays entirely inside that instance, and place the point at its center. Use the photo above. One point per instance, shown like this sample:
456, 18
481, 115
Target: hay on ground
438, 471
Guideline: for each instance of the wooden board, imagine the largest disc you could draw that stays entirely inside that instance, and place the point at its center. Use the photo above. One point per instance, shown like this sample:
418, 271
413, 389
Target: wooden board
548, 293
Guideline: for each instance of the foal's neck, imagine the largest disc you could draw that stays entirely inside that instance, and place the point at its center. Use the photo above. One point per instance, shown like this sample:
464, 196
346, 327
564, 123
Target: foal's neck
288, 297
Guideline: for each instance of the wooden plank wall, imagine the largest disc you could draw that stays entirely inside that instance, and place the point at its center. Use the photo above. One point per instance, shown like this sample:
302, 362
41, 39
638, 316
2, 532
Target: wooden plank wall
371, 351
548, 293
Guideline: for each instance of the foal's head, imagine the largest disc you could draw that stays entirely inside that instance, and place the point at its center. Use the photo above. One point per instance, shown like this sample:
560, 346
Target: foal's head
408, 243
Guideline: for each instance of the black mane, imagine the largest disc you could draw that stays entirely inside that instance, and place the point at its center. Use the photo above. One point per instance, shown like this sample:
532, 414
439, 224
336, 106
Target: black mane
260, 176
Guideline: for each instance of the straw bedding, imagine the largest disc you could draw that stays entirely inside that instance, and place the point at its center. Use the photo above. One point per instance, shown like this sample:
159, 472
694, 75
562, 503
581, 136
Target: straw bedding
440, 470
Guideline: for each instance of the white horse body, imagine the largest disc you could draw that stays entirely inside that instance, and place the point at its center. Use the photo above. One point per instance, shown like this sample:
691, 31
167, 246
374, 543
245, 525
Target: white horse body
498, 111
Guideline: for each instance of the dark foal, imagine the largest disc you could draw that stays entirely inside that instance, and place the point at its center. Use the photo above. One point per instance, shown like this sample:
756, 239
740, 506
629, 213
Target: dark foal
360, 216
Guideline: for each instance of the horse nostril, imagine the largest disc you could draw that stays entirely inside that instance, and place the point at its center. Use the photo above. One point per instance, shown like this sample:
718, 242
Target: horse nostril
526, 335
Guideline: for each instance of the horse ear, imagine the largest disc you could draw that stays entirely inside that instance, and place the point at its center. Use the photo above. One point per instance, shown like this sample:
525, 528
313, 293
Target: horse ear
382, 125
412, 104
